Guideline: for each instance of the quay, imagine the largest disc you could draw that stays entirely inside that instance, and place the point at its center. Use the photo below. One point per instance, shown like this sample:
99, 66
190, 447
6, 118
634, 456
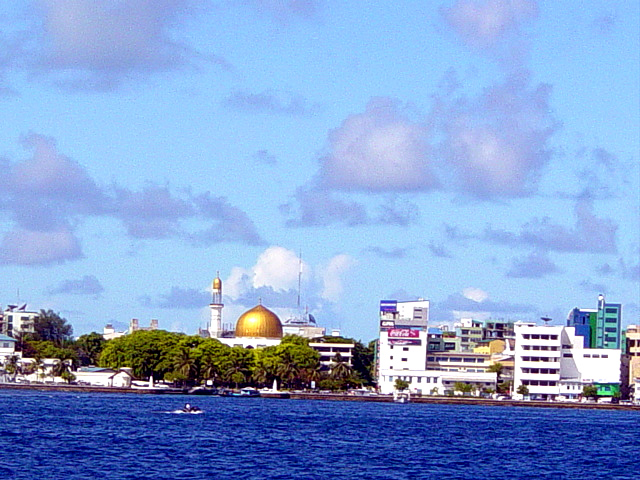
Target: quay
431, 399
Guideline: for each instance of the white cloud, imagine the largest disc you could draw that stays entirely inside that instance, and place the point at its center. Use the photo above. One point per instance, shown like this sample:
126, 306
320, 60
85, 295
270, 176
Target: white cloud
277, 268
491, 24
378, 150
332, 276
476, 294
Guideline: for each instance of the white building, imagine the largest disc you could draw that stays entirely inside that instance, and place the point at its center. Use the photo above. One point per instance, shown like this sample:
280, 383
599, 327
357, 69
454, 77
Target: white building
104, 377
7, 347
16, 320
552, 363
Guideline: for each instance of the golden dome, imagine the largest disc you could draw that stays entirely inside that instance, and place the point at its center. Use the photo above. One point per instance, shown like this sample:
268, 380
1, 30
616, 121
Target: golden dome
259, 322
217, 283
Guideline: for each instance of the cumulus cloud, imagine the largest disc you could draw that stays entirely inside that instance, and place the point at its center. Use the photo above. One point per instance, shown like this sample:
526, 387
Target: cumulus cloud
87, 285
492, 26
589, 235
461, 303
497, 144
99, 43
179, 298
276, 268
476, 294
534, 265
279, 103
48, 194
275, 275
332, 275
28, 247
379, 150
315, 207
152, 212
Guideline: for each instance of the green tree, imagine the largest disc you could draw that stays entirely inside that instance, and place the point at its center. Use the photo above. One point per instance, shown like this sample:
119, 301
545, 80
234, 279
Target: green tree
50, 326
340, 370
590, 391
88, 348
238, 365
522, 390
498, 369
400, 384
462, 387
146, 352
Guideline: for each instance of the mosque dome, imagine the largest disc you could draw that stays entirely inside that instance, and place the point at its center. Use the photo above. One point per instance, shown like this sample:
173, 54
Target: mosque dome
259, 322
217, 283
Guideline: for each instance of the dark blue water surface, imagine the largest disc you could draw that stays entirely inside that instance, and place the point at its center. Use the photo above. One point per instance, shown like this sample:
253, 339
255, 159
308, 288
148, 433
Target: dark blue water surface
57, 435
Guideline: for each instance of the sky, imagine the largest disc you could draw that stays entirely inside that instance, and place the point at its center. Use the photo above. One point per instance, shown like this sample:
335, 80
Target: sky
479, 154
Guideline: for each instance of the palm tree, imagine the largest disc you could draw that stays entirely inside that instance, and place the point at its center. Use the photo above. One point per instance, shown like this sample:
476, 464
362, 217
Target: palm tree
340, 370
184, 363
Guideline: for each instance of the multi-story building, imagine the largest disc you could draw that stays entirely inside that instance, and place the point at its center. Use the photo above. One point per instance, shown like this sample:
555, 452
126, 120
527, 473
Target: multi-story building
497, 329
441, 341
329, 350
470, 333
402, 347
552, 362
402, 353
608, 324
632, 361
599, 327
15, 321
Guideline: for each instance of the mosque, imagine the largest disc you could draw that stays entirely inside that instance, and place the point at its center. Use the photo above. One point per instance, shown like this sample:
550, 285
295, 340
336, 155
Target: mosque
258, 327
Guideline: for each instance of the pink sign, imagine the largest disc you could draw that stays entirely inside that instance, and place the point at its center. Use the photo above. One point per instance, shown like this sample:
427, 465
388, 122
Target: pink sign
403, 333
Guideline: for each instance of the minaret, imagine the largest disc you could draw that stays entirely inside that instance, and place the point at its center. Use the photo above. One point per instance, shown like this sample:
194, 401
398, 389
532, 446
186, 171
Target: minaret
215, 324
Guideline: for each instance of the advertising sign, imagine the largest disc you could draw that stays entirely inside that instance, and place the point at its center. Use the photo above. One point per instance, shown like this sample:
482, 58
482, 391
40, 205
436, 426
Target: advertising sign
387, 324
403, 333
388, 306
405, 341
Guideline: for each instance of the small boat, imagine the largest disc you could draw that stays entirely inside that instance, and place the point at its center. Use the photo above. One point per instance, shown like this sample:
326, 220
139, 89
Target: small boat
249, 392
191, 409
401, 397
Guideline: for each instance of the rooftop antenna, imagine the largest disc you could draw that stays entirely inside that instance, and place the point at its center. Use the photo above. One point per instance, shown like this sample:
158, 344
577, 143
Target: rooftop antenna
299, 279
546, 320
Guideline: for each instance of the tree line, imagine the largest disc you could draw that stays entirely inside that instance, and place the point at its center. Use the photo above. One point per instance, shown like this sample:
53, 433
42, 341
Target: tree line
189, 360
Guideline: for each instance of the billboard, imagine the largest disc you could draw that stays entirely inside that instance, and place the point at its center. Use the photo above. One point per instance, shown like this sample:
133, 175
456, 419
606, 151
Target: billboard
387, 324
388, 306
403, 333
405, 341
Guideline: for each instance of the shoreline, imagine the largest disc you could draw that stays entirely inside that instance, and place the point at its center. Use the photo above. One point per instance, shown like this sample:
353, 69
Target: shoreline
328, 396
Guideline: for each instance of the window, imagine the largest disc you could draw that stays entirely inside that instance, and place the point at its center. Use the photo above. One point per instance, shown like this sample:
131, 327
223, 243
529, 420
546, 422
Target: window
403, 359
391, 357
567, 355
405, 349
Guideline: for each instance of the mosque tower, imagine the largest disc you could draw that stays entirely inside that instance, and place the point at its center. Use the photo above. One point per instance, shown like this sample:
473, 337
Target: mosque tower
215, 324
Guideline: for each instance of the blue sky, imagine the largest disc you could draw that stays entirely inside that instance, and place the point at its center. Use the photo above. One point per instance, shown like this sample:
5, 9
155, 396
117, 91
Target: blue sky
479, 154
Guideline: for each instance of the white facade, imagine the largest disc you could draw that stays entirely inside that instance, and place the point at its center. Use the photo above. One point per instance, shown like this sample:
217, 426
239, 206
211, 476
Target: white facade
15, 320
103, 377
250, 342
402, 347
7, 347
553, 363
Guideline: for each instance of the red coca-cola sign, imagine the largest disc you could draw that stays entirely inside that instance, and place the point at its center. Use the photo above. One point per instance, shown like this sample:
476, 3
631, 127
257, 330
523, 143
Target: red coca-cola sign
403, 333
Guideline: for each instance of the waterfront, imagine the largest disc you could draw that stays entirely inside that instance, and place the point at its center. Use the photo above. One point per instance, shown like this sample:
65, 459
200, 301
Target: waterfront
53, 435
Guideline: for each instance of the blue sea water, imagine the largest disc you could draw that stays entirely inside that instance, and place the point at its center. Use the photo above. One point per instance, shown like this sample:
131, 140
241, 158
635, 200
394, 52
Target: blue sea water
59, 435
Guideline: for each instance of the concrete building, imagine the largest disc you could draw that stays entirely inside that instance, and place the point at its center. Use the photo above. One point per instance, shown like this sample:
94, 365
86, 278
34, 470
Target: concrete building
632, 361
16, 320
552, 362
599, 327
7, 348
470, 332
109, 333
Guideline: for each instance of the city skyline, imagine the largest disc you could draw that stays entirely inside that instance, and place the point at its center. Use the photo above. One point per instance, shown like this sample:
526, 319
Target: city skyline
482, 155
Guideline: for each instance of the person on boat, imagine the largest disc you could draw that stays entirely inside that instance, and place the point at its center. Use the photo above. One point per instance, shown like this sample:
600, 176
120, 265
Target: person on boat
188, 408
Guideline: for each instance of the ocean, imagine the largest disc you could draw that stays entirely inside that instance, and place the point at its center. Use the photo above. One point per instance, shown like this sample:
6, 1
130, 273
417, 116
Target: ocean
60, 435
